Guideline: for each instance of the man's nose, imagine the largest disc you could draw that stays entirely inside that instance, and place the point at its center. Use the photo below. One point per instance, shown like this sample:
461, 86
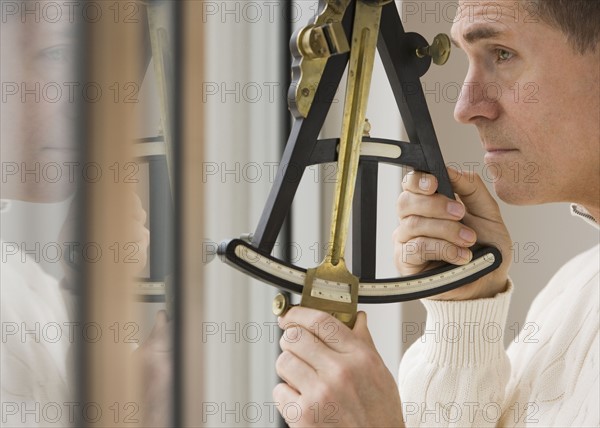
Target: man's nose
478, 99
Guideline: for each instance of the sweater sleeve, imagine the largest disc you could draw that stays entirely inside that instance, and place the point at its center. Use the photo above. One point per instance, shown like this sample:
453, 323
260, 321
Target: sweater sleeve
456, 373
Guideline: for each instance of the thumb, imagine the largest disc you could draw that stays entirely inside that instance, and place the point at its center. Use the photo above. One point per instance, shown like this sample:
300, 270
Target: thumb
361, 330
162, 319
472, 192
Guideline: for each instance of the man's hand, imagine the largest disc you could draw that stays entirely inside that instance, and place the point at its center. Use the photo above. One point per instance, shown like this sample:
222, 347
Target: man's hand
154, 359
333, 375
430, 230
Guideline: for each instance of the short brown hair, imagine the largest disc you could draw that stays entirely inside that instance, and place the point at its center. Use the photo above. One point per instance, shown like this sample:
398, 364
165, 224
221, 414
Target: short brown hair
579, 20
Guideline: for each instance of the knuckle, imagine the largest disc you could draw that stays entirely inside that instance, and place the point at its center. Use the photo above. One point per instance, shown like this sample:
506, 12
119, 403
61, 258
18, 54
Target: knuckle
283, 343
400, 258
361, 356
282, 362
321, 318
344, 374
368, 359
413, 222
399, 262
419, 243
278, 392
403, 202
323, 392
409, 251
454, 174
400, 236
451, 253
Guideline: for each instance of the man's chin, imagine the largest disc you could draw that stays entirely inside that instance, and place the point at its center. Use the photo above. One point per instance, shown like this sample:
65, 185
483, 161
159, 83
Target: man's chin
514, 193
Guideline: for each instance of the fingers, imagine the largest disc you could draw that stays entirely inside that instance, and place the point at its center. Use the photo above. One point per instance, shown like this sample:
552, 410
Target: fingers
302, 342
361, 329
420, 183
434, 206
472, 191
318, 325
411, 256
419, 198
429, 223
295, 372
286, 399
454, 232
434, 228
467, 185
139, 234
137, 209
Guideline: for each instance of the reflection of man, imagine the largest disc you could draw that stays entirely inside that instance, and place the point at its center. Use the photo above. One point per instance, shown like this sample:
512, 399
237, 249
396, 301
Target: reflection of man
38, 123
35, 133
41, 97
472, 381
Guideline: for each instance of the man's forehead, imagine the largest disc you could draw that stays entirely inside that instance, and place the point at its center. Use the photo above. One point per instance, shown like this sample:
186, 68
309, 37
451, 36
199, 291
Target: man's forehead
490, 9
29, 29
477, 20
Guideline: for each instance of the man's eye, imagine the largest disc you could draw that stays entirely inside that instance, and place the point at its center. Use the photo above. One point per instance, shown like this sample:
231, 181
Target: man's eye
60, 54
503, 55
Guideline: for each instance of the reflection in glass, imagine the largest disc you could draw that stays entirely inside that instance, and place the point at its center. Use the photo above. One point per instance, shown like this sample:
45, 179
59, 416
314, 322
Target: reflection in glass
85, 188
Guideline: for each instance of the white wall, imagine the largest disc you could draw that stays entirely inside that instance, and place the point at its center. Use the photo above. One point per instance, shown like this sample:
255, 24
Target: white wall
243, 99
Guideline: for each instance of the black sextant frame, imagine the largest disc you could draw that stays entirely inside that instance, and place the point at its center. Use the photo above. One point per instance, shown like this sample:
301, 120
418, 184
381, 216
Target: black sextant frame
403, 68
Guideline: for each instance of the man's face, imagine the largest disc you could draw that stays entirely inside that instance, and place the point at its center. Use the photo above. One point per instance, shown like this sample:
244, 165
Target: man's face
534, 101
38, 147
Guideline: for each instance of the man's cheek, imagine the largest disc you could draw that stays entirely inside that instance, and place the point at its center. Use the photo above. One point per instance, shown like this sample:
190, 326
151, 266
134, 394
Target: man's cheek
15, 139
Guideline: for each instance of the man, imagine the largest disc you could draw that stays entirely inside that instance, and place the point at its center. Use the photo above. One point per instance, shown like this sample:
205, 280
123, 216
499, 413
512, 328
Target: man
474, 381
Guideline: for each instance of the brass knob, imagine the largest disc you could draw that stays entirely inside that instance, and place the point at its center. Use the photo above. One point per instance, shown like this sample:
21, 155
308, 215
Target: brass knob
280, 304
312, 43
367, 128
439, 50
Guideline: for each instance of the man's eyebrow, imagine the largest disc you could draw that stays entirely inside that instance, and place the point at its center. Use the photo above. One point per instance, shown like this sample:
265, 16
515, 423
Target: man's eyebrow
72, 31
481, 33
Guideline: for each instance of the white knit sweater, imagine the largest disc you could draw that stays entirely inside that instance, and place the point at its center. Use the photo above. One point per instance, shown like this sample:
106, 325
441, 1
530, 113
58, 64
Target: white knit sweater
36, 336
459, 374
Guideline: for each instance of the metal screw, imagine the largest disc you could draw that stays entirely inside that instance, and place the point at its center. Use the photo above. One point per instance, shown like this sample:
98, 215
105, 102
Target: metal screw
367, 128
280, 304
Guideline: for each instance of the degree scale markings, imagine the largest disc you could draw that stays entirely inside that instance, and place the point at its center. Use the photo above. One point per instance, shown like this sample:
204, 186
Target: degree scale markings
340, 292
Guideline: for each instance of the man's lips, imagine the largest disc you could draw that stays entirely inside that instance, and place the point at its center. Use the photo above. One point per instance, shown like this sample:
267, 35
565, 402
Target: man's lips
499, 150
490, 147
494, 154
